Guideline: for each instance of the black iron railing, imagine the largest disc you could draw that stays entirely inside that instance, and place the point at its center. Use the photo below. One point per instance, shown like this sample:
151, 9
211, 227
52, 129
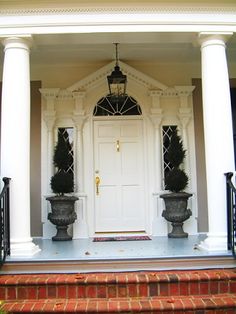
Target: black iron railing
5, 220
231, 212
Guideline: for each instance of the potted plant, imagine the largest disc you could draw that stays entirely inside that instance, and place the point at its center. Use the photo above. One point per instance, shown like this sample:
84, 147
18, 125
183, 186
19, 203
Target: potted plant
176, 181
63, 213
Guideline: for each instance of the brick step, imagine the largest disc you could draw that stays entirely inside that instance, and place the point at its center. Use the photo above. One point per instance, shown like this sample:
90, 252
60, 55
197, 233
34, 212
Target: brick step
116, 285
221, 303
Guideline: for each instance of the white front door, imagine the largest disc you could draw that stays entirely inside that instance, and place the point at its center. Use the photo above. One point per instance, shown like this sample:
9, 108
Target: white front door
119, 165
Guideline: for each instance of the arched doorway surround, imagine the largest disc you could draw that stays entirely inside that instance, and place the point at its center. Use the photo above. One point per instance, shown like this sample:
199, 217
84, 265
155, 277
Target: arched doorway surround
161, 106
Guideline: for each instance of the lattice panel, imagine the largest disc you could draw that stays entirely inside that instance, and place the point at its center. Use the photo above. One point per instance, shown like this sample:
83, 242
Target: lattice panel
167, 132
68, 136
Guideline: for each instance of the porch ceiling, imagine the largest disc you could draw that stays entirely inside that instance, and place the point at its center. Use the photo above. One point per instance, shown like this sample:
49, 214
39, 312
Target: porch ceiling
138, 47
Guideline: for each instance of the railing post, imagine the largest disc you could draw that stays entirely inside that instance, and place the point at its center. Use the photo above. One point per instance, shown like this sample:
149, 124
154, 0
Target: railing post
5, 220
231, 212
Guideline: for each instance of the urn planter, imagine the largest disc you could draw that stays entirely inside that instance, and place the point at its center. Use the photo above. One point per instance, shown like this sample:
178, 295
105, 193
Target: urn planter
62, 215
176, 212
176, 180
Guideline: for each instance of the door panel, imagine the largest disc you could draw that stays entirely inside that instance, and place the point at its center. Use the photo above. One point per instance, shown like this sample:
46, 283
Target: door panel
119, 204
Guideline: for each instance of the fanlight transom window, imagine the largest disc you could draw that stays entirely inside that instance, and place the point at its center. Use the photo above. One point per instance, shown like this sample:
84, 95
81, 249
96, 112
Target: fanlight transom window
113, 106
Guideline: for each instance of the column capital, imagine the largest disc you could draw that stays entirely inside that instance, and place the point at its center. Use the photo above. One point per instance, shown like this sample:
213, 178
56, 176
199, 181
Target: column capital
155, 93
79, 120
49, 118
17, 41
213, 38
156, 120
79, 102
185, 115
184, 92
156, 104
49, 93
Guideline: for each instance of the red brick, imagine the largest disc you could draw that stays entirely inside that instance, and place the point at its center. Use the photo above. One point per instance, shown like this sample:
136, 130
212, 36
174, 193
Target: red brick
48, 307
52, 292
187, 303
145, 305
183, 288
194, 288
91, 291
102, 306
167, 304
232, 285
174, 289
214, 287
124, 306
22, 293
72, 306
37, 306
142, 290
32, 293
11, 293
204, 287
153, 289
112, 291
28, 307
2, 293
81, 291
208, 301
122, 291
223, 287
59, 306
42, 293
132, 290
92, 306
113, 306
102, 291
164, 289
121, 278
72, 292
62, 292
135, 306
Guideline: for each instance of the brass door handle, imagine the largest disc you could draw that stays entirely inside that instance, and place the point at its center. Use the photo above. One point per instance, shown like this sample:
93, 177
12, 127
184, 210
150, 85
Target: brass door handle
118, 146
97, 182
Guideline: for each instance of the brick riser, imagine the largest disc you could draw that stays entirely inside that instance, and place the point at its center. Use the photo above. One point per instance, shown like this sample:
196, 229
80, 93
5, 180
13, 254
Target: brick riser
135, 292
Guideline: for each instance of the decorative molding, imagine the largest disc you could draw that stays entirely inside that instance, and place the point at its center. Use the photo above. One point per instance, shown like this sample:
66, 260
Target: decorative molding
125, 9
100, 75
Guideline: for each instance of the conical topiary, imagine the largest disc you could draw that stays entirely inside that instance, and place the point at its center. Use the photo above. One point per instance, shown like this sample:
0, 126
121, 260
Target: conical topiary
176, 179
62, 181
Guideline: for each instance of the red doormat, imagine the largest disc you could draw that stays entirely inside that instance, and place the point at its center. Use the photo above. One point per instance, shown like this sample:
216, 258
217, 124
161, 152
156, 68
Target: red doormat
122, 238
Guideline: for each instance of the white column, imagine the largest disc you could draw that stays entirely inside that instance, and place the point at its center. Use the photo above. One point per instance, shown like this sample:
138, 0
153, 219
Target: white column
15, 141
159, 224
218, 135
49, 117
185, 117
80, 227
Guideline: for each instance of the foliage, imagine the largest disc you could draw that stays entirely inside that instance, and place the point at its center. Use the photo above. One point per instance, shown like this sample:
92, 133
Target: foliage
62, 181
176, 179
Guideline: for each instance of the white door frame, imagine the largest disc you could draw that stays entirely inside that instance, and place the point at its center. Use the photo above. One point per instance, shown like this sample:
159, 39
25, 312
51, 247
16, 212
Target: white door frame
117, 118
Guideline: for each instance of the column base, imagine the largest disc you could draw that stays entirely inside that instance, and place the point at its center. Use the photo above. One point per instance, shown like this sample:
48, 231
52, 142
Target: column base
24, 248
214, 243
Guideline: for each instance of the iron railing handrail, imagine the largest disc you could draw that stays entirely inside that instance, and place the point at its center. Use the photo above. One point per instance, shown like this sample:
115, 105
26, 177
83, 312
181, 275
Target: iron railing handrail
5, 220
231, 212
